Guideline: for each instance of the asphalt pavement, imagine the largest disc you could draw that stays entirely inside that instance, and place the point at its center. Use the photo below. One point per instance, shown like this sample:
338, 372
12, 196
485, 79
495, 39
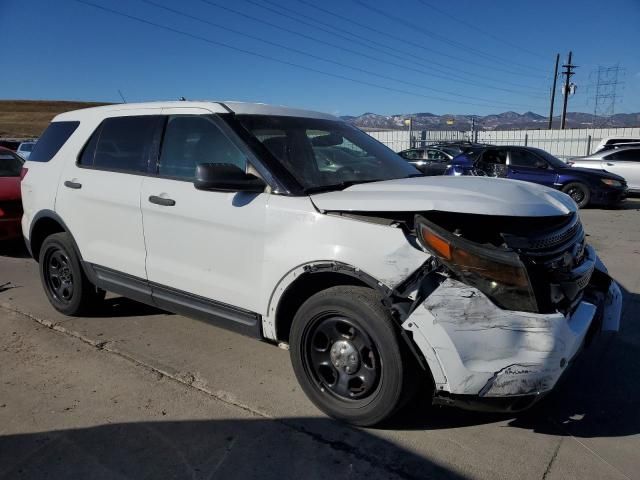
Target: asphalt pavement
135, 392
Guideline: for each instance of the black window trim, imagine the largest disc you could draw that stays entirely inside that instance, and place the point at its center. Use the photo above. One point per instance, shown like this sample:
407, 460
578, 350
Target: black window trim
531, 152
227, 132
76, 124
98, 130
156, 147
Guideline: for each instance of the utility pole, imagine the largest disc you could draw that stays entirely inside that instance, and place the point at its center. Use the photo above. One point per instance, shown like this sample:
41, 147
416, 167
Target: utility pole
553, 90
567, 73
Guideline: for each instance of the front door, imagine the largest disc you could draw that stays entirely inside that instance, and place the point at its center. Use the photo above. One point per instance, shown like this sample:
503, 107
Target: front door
625, 163
201, 245
529, 167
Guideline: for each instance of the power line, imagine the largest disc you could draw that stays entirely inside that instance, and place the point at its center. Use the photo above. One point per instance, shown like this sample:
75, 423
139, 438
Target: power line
339, 47
478, 29
273, 59
441, 38
310, 55
341, 33
407, 41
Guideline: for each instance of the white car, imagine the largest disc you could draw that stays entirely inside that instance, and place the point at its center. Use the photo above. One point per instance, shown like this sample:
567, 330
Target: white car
610, 142
621, 161
24, 149
375, 277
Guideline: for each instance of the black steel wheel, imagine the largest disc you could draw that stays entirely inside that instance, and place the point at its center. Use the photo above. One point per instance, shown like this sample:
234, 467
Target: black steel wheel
58, 275
348, 358
341, 357
578, 192
63, 279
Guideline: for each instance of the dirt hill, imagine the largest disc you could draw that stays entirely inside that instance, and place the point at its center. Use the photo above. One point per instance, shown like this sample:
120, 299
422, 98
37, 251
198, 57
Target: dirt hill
28, 118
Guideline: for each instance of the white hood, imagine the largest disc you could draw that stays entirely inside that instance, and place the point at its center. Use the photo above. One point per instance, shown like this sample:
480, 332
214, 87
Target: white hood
478, 195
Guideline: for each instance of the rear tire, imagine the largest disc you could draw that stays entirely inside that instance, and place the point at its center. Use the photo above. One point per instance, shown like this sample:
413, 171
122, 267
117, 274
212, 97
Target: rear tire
578, 192
65, 283
348, 357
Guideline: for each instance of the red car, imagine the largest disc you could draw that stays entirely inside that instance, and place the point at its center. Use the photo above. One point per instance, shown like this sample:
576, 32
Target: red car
11, 172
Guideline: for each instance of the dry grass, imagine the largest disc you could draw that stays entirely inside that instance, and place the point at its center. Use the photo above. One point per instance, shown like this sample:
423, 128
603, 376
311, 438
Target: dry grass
28, 118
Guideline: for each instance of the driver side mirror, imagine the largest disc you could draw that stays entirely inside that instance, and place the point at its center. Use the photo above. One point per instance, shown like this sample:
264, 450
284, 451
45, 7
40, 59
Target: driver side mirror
226, 177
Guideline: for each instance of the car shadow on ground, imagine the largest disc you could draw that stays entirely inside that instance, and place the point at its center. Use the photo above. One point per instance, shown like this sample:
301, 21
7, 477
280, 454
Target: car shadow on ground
599, 396
228, 449
124, 307
14, 249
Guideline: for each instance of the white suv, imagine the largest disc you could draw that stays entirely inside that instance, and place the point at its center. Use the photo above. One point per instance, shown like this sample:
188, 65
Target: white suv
295, 228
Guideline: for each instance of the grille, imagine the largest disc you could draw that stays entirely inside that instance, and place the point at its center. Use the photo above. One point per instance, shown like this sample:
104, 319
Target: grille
558, 263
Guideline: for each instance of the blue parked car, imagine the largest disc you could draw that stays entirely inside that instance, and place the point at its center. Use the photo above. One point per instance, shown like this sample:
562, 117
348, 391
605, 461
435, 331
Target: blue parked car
585, 186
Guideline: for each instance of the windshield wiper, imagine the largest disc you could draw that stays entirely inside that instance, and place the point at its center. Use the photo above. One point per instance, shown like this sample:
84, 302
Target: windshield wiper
339, 186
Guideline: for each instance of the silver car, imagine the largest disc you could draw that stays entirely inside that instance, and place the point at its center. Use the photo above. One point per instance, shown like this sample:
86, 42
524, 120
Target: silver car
623, 161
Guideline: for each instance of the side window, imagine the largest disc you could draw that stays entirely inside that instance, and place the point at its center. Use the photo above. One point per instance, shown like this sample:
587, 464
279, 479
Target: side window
524, 158
89, 150
193, 139
412, 154
51, 141
121, 143
436, 155
495, 156
625, 155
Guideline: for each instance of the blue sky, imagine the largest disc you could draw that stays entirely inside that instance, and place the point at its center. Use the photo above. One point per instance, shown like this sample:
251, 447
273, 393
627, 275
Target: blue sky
463, 56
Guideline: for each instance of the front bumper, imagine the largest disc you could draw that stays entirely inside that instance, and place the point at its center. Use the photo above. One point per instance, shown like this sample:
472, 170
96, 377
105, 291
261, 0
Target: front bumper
608, 196
483, 356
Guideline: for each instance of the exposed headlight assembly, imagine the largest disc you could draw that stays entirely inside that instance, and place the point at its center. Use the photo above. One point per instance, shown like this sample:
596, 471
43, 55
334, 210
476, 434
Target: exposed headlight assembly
611, 182
499, 274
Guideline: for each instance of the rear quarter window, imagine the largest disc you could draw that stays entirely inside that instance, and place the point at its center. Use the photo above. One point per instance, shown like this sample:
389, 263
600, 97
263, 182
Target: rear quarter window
52, 140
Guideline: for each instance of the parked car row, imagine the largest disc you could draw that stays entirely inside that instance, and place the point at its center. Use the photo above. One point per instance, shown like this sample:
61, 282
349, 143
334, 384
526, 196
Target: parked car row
21, 148
298, 229
603, 178
11, 171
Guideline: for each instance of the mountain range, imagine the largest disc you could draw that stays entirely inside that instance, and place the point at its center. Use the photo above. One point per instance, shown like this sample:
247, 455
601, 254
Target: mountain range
500, 121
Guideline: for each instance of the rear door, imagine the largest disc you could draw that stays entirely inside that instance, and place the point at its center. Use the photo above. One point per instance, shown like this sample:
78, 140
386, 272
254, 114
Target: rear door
99, 194
437, 161
527, 166
625, 163
204, 248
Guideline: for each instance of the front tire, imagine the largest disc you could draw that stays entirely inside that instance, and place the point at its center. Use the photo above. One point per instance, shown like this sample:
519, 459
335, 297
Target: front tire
348, 358
65, 283
578, 192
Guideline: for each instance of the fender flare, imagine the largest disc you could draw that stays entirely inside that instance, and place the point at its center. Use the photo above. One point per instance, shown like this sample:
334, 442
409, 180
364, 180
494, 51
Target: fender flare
317, 266
50, 214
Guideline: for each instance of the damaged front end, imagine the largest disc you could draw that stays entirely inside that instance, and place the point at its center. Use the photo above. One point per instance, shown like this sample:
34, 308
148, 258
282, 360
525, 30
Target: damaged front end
504, 305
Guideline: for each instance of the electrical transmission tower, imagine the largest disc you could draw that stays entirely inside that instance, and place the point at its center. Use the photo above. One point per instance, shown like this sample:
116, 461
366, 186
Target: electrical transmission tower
607, 81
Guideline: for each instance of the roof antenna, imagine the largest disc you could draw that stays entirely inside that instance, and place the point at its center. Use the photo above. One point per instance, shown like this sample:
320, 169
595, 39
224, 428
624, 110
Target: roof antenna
124, 100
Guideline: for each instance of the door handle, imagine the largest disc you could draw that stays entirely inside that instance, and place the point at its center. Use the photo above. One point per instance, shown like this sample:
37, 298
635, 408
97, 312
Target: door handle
74, 185
165, 202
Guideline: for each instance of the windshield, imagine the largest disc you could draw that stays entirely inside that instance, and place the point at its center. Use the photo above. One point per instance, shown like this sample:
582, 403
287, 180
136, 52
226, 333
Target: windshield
10, 165
553, 161
326, 154
26, 147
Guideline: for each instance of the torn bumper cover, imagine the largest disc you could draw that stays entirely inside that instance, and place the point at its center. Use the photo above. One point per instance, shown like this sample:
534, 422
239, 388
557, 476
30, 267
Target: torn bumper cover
484, 357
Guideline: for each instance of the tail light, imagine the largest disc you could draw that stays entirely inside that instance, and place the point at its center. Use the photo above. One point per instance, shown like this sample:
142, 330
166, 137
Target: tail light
23, 173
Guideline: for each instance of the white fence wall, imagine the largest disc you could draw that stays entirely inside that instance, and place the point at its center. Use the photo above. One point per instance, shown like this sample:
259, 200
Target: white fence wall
562, 143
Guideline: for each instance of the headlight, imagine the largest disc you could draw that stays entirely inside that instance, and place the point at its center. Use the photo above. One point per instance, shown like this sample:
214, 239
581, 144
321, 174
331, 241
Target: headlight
610, 182
499, 274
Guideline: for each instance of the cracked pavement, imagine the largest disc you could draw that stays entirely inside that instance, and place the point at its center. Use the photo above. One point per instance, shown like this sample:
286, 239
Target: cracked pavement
136, 392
